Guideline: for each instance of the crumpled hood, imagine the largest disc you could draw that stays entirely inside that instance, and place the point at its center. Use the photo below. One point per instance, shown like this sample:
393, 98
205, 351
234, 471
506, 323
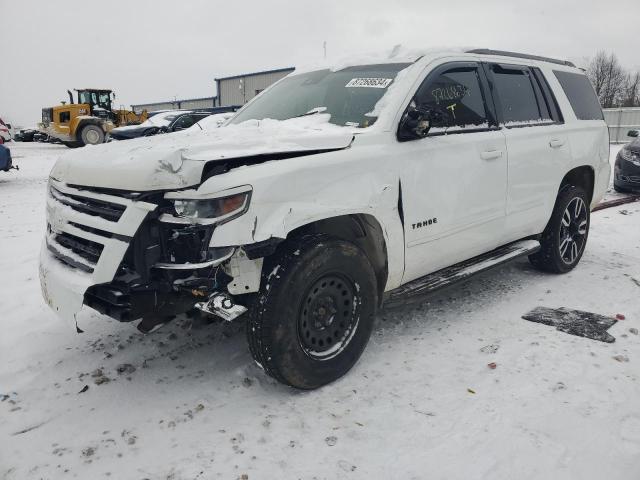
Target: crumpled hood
177, 160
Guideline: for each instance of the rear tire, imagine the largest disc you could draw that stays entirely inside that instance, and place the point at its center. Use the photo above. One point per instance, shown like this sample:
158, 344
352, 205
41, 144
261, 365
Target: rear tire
91, 135
315, 311
565, 237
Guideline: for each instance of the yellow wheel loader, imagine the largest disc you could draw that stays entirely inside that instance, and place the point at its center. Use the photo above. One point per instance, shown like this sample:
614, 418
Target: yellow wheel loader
88, 120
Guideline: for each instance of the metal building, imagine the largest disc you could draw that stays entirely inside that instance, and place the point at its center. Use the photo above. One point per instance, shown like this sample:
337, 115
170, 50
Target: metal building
239, 89
235, 90
620, 121
188, 104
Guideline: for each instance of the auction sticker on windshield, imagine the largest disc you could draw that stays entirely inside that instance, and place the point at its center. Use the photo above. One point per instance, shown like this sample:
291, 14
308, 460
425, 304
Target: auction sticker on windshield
369, 82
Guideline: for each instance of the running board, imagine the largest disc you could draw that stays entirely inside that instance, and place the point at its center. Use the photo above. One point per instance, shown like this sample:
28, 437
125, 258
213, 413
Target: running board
460, 271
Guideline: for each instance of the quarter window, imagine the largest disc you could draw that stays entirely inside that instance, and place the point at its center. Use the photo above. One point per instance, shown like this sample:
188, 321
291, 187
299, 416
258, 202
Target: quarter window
456, 96
581, 95
517, 96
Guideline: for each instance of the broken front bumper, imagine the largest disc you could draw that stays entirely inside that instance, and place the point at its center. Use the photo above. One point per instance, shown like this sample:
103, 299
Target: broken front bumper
88, 234
121, 254
62, 287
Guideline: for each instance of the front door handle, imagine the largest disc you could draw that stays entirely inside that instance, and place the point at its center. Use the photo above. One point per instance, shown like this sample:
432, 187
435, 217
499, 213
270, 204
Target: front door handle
491, 154
556, 143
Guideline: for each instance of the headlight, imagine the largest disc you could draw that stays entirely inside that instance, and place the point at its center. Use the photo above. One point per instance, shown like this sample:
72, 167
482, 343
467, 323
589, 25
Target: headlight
220, 209
630, 156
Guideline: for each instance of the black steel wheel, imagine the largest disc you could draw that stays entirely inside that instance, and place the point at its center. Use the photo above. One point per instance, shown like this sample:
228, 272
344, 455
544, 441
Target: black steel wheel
314, 313
328, 317
565, 236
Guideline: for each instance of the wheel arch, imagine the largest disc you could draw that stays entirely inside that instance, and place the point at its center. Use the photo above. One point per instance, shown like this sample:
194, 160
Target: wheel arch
363, 230
583, 176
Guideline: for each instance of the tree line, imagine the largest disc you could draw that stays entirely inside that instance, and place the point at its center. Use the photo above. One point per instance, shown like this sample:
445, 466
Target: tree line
614, 85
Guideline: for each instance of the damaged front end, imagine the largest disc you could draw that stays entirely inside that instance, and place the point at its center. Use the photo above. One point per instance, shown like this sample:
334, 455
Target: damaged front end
134, 255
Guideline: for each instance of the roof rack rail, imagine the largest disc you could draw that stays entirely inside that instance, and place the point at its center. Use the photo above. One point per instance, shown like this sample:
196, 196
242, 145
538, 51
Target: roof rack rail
488, 51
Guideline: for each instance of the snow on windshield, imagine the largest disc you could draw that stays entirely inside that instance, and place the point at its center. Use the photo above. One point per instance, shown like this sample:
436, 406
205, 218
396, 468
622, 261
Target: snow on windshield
161, 119
348, 96
212, 121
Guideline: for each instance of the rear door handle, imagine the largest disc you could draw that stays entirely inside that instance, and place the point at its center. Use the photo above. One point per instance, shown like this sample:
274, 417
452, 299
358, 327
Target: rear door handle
491, 154
556, 143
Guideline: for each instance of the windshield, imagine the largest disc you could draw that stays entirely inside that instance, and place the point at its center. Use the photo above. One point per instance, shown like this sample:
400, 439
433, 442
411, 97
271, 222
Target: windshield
212, 122
97, 99
348, 95
161, 119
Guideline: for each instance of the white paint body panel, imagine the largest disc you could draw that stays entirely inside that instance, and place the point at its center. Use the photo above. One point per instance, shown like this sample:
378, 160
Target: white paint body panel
480, 201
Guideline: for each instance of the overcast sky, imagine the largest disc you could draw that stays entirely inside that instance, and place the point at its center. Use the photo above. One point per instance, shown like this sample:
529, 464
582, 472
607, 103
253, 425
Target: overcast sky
153, 50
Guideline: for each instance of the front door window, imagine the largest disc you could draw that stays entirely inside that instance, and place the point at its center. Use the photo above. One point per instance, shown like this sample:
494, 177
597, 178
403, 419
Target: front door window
456, 98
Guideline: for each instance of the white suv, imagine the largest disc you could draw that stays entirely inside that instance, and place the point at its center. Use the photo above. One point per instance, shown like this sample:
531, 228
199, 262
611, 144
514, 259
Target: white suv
332, 192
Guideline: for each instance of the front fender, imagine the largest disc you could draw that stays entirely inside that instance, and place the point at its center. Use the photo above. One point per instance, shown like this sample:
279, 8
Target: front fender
291, 193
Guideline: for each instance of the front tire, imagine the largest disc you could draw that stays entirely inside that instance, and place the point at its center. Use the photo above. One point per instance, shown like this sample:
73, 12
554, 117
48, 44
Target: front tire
91, 135
315, 311
565, 237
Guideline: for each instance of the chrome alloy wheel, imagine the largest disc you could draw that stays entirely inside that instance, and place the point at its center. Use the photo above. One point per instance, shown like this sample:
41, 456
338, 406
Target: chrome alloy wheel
573, 230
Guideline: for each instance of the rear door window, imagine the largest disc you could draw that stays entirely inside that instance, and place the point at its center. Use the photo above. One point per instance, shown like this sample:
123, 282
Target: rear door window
457, 95
517, 97
581, 95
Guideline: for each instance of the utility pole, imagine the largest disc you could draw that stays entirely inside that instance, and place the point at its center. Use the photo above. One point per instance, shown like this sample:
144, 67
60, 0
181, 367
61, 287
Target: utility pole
324, 46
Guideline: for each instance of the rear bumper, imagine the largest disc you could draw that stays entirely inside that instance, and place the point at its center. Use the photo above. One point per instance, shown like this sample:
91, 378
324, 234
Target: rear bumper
603, 176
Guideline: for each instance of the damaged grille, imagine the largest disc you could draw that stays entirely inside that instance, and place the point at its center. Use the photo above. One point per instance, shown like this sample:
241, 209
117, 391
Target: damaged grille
74, 251
90, 206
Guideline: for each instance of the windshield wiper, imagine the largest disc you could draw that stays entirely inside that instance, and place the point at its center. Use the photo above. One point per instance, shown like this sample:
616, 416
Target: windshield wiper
313, 111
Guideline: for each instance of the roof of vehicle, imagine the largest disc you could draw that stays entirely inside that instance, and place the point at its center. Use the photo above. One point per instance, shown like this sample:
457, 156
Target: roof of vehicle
400, 54
503, 53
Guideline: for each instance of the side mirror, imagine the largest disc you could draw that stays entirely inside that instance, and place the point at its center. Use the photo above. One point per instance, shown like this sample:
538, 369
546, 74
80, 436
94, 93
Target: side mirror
418, 120
633, 133
415, 123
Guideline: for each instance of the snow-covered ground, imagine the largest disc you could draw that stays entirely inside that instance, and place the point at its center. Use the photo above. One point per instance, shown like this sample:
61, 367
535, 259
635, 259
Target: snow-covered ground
188, 403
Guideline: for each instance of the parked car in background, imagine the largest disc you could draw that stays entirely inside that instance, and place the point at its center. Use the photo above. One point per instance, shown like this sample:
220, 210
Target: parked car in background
5, 134
25, 135
332, 192
165, 122
626, 176
6, 162
212, 121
